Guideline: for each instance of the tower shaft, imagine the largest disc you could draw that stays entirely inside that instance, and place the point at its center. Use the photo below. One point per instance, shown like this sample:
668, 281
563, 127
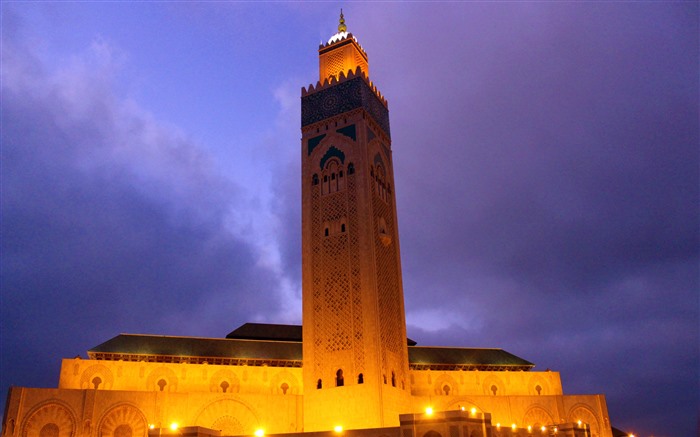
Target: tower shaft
355, 351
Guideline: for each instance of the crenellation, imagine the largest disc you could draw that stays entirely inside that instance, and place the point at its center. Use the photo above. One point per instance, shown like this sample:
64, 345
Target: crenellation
344, 77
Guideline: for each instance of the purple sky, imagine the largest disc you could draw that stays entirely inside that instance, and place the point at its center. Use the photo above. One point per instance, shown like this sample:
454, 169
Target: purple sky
546, 162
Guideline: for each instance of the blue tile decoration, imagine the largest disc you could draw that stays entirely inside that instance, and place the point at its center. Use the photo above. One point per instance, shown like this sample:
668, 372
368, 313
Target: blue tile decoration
331, 153
344, 97
348, 131
313, 142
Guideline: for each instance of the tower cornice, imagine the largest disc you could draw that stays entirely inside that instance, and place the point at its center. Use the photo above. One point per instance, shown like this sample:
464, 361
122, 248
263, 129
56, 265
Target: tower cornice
344, 77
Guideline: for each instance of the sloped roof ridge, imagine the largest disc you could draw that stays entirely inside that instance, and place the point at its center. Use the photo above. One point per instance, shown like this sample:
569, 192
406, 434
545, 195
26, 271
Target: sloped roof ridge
189, 337
462, 347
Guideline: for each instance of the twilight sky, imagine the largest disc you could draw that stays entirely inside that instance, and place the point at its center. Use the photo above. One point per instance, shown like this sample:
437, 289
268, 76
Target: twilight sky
546, 162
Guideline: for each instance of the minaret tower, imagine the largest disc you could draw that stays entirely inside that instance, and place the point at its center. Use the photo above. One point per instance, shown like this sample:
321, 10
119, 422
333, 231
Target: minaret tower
354, 327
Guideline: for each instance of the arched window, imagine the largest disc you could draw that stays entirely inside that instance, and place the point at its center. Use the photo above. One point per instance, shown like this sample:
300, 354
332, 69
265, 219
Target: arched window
96, 381
339, 380
351, 169
319, 384
494, 389
162, 383
123, 430
314, 179
446, 389
284, 388
360, 379
49, 430
224, 386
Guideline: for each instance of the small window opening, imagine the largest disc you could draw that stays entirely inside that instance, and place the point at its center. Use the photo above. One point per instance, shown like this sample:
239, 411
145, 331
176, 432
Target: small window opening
539, 389
314, 180
360, 379
162, 383
384, 376
446, 389
325, 232
332, 176
339, 380
342, 227
494, 389
319, 384
351, 168
284, 387
224, 386
96, 381
393, 379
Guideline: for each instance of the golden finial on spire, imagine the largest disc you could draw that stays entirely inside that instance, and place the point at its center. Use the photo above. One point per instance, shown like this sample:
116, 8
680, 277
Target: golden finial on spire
342, 27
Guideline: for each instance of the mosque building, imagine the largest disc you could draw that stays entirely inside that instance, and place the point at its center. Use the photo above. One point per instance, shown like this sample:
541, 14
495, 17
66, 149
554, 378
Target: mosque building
349, 368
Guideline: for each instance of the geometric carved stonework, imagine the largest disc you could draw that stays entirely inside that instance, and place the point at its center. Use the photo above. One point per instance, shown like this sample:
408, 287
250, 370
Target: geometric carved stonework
537, 417
97, 376
123, 421
231, 416
49, 420
585, 415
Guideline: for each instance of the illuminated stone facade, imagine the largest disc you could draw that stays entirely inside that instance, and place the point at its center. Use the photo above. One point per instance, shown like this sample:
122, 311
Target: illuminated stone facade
355, 368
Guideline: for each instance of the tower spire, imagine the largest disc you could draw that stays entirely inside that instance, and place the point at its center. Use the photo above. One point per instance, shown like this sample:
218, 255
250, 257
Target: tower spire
342, 27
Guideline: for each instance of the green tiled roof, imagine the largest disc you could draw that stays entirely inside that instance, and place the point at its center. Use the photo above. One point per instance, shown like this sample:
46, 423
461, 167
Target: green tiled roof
193, 349
159, 348
269, 331
459, 358
266, 331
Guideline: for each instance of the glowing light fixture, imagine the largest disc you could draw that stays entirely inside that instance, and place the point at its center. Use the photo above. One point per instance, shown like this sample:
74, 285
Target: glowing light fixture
543, 429
498, 425
174, 426
259, 432
513, 427
429, 411
473, 410
338, 428
461, 408
529, 428
151, 426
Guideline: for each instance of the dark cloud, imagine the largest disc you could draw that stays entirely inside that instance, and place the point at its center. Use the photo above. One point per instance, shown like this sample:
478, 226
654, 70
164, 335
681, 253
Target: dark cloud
548, 197
111, 223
